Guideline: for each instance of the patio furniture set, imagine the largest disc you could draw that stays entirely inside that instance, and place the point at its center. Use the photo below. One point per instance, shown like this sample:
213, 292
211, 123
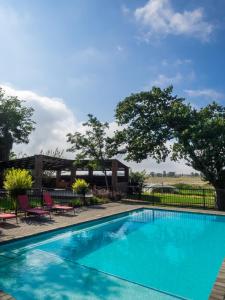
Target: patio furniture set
48, 207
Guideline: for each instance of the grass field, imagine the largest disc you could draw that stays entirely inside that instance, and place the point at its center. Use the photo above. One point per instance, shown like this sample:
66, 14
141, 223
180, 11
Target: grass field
190, 180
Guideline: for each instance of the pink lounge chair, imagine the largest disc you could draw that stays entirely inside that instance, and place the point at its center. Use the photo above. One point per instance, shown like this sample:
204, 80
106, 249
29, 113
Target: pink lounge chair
7, 216
49, 202
25, 207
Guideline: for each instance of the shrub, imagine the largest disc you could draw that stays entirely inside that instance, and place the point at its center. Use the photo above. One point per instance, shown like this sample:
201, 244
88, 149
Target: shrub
137, 180
17, 181
182, 185
76, 202
80, 186
98, 200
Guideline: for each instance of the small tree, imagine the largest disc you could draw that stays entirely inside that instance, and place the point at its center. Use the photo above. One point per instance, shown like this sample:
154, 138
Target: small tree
94, 144
17, 181
54, 153
13, 155
137, 180
80, 186
197, 135
15, 123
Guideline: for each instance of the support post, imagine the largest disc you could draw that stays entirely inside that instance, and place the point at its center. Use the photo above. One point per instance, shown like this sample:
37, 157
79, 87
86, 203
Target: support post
90, 175
1, 178
38, 171
72, 174
126, 180
58, 177
114, 177
126, 174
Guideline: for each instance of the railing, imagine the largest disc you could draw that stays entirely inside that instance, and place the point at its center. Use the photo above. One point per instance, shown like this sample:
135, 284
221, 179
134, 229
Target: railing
7, 201
196, 198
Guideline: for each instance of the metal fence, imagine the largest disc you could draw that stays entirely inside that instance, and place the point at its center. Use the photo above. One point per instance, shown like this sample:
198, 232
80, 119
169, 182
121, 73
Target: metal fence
196, 198
60, 196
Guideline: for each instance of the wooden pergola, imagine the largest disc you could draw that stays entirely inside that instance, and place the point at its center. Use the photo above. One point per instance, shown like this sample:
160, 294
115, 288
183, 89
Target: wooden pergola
40, 163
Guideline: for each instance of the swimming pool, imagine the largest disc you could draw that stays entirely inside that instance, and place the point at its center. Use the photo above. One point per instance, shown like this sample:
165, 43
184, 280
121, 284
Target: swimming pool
144, 254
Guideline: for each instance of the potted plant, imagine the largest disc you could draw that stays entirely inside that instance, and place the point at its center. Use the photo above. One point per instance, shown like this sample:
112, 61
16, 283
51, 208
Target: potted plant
81, 187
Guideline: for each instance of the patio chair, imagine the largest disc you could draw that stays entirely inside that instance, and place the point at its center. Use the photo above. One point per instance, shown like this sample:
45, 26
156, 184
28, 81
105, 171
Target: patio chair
27, 209
49, 202
8, 216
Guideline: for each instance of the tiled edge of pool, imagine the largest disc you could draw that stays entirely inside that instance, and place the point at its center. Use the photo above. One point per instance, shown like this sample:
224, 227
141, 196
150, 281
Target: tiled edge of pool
89, 221
218, 290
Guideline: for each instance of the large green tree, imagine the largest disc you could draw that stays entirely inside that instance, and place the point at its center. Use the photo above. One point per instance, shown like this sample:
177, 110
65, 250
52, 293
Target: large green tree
94, 144
15, 123
159, 124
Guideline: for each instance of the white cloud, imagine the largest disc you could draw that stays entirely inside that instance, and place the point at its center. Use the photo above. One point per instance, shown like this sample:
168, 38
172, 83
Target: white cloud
54, 120
150, 165
206, 93
158, 16
164, 80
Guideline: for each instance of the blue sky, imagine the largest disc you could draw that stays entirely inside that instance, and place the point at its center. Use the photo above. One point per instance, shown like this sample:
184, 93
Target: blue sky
90, 54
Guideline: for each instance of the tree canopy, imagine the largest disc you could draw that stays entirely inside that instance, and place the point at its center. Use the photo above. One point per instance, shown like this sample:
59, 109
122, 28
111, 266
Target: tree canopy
94, 144
15, 123
159, 124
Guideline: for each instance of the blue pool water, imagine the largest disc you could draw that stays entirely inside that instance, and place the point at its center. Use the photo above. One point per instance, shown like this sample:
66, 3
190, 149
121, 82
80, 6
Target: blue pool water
146, 254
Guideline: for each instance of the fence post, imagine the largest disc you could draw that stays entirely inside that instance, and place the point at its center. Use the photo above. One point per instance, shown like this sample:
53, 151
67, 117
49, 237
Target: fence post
203, 192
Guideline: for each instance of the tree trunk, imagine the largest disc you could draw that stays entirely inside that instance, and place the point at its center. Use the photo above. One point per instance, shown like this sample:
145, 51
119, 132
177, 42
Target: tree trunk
106, 180
105, 174
4, 152
220, 199
84, 199
6, 143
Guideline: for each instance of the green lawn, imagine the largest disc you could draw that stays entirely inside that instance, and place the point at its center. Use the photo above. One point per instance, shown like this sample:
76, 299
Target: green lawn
201, 199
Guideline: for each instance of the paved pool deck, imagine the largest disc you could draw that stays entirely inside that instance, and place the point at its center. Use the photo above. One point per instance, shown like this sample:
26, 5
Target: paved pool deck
32, 225
29, 226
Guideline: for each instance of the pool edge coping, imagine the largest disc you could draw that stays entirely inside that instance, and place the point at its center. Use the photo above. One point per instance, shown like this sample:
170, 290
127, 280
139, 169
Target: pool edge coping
65, 227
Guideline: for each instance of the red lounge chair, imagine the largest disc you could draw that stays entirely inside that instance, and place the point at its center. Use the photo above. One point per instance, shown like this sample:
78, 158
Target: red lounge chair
49, 202
25, 206
7, 216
